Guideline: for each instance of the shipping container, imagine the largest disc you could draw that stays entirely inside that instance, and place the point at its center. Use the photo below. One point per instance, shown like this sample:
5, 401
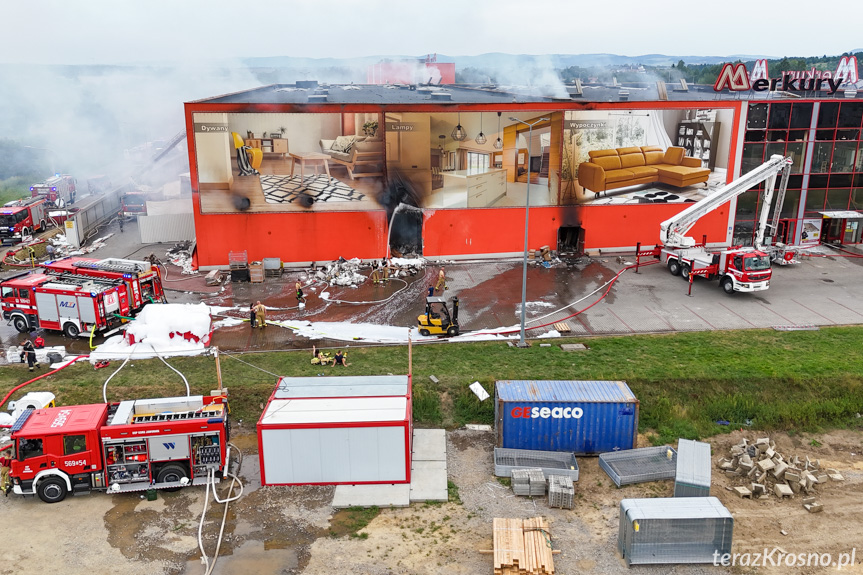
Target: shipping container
666, 530
344, 430
692, 477
581, 417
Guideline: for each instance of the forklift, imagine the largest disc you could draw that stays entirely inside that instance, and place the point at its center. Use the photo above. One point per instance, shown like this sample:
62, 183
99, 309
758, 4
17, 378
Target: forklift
437, 319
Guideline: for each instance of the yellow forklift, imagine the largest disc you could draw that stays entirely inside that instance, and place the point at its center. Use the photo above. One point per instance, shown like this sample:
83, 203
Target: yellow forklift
437, 319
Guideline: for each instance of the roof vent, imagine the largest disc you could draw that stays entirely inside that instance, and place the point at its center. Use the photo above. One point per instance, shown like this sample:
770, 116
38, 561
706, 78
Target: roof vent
307, 84
623, 96
577, 90
441, 96
316, 98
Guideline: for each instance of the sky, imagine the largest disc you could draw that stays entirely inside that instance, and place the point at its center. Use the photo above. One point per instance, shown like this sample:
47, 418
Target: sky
124, 31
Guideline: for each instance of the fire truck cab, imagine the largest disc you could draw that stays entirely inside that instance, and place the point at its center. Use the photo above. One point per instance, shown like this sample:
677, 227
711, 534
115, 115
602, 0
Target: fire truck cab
67, 303
164, 443
143, 280
20, 218
58, 190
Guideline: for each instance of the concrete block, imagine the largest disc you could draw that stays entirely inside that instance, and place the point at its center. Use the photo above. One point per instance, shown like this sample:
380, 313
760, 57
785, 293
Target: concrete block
726, 465
779, 471
769, 452
743, 492
766, 464
731, 472
757, 489
753, 472
808, 500
822, 477
434, 379
835, 475
782, 490
744, 458
545, 345
814, 508
573, 347
795, 486
762, 477
738, 450
745, 467
791, 475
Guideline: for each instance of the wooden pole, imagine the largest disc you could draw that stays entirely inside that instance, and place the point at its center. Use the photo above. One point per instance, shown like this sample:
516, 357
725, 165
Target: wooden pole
218, 366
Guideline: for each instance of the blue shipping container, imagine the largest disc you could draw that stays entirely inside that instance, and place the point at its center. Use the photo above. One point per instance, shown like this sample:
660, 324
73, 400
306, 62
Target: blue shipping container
584, 417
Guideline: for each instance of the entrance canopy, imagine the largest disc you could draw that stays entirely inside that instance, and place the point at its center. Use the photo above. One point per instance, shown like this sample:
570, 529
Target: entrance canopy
842, 214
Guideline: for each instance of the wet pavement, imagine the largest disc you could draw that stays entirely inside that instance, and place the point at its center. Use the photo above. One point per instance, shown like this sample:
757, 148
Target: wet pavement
818, 291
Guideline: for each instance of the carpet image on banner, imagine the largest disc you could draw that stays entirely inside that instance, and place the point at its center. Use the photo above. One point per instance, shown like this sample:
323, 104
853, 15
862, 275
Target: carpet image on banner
320, 188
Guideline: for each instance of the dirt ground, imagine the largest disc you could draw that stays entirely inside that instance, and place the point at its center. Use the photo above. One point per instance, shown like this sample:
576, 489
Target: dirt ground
284, 530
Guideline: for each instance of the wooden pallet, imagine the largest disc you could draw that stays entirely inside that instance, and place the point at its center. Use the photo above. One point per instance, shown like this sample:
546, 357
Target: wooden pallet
522, 547
562, 327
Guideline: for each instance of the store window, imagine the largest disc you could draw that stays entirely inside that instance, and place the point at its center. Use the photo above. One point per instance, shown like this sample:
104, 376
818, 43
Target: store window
790, 205
815, 202
780, 117
757, 116
753, 155
850, 115
827, 114
844, 154
856, 199
797, 152
801, 115
821, 157
747, 203
837, 199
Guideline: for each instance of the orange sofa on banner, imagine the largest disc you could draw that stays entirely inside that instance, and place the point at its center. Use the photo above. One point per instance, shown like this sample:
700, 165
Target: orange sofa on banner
621, 167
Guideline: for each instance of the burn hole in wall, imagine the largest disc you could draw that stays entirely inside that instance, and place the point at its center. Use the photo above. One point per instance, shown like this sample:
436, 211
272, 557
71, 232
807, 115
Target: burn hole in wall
570, 240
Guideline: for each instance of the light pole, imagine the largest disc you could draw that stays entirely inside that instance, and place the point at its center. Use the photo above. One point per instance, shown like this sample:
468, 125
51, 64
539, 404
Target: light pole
521, 342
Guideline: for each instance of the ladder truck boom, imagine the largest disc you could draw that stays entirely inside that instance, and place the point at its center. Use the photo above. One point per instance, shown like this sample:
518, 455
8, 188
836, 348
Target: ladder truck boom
673, 231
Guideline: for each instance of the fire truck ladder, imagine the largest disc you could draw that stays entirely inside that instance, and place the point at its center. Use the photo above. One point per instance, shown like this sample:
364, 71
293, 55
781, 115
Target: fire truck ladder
129, 268
71, 279
174, 416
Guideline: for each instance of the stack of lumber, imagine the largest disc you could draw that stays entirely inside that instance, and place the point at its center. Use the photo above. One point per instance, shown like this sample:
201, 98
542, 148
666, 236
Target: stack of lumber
522, 547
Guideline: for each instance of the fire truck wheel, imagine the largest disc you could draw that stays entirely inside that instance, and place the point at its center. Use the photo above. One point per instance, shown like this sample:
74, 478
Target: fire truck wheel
52, 490
20, 324
684, 271
43, 225
25, 232
71, 330
171, 474
674, 267
727, 285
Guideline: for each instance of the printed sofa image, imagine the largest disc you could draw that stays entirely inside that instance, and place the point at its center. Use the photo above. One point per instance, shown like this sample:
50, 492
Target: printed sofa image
363, 157
621, 167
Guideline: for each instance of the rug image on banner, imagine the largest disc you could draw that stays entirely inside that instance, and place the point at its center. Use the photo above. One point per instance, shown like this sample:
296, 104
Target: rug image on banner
319, 188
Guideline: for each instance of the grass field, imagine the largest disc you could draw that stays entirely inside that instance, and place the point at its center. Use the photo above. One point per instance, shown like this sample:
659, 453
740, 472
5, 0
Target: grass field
791, 381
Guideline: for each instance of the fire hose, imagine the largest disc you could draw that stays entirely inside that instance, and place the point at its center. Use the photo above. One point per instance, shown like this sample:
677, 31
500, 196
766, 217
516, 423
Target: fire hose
211, 484
52, 372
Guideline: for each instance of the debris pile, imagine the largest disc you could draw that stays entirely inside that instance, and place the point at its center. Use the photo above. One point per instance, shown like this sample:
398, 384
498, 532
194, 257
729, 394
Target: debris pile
769, 472
181, 256
341, 272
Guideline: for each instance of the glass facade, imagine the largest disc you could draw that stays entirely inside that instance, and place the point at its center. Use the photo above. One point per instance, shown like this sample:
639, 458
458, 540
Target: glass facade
823, 140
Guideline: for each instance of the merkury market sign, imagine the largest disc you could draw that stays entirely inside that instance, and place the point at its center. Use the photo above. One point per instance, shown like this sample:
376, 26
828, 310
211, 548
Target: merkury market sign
736, 78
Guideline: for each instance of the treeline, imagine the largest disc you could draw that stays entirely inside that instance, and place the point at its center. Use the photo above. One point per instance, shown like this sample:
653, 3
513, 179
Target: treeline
692, 73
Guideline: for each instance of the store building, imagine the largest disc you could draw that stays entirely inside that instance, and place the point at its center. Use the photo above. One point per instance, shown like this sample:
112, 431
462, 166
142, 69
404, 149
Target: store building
352, 170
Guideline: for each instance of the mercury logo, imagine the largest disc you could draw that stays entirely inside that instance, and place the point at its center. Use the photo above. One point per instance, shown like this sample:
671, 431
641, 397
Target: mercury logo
546, 412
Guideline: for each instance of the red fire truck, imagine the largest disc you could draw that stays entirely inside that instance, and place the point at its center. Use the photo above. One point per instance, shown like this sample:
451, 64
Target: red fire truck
134, 445
20, 218
134, 204
68, 303
143, 280
58, 190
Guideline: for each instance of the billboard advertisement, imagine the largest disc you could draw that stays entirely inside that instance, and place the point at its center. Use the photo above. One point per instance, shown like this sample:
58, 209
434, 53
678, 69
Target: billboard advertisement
615, 157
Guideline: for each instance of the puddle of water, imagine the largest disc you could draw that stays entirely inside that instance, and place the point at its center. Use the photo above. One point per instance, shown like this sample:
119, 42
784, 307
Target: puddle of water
250, 473
251, 557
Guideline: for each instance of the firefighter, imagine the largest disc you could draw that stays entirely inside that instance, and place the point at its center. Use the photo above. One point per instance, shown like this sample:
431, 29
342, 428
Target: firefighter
39, 342
29, 351
253, 316
301, 299
340, 359
441, 280
120, 219
261, 315
319, 357
5, 468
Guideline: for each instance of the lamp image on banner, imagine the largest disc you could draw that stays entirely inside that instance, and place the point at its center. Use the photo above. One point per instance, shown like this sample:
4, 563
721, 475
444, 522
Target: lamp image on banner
498, 144
480, 138
458, 133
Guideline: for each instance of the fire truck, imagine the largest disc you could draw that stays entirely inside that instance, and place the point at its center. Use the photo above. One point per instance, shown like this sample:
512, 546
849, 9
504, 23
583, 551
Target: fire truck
134, 204
68, 303
164, 443
20, 218
143, 280
58, 190
738, 268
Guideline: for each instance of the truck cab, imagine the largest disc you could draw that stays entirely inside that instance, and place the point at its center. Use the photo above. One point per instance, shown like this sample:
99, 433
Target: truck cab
746, 270
58, 190
20, 218
56, 451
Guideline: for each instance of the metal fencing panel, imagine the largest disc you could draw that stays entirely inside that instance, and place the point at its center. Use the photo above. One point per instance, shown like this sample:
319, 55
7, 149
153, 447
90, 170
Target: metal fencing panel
692, 478
639, 465
166, 228
668, 530
551, 462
